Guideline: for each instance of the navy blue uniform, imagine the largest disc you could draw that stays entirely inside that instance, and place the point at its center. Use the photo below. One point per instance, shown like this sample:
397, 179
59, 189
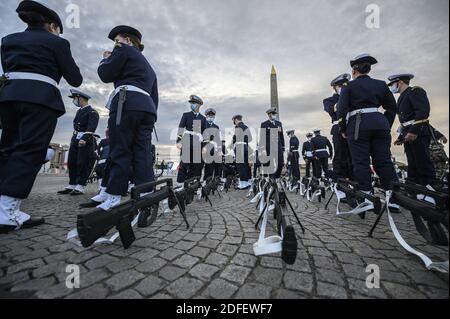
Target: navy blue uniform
29, 109
103, 154
308, 156
266, 128
131, 140
80, 156
320, 144
294, 155
212, 169
342, 163
242, 151
374, 138
413, 105
191, 164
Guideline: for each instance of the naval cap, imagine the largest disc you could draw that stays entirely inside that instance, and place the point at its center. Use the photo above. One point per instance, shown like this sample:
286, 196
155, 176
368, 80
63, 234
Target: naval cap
210, 111
124, 29
34, 6
341, 79
399, 77
271, 111
364, 58
309, 134
290, 132
195, 99
317, 130
76, 93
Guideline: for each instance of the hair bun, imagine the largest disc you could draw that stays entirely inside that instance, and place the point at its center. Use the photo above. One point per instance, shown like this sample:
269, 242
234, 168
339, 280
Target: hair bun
31, 18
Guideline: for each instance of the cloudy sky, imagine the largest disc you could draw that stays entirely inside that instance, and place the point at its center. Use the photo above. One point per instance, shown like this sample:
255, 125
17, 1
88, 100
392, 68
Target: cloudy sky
223, 50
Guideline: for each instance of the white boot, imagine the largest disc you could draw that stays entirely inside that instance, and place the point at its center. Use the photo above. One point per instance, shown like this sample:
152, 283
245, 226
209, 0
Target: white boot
166, 208
102, 196
111, 202
100, 181
10, 213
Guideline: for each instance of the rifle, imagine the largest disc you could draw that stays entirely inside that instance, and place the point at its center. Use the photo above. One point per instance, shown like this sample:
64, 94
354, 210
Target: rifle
98, 223
360, 201
409, 196
436, 216
314, 189
273, 196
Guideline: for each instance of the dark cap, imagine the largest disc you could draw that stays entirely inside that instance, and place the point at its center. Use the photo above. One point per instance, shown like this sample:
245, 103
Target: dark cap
75, 93
341, 79
271, 111
34, 6
124, 29
195, 99
400, 77
237, 117
363, 59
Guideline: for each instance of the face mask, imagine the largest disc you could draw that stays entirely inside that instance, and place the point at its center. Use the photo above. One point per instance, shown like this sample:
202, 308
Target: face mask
210, 119
194, 108
76, 103
338, 90
394, 89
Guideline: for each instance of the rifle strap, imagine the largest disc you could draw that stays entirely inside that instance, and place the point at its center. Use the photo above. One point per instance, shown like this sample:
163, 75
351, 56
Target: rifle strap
361, 208
429, 264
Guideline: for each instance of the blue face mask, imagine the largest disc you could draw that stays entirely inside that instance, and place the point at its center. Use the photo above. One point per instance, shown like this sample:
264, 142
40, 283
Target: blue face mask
194, 108
210, 120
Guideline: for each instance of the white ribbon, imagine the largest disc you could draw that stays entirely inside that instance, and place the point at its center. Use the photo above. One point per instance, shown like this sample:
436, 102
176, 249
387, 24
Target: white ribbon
438, 266
361, 208
269, 245
72, 236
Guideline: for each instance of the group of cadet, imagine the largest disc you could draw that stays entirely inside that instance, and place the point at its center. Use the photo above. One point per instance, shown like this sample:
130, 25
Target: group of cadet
35, 60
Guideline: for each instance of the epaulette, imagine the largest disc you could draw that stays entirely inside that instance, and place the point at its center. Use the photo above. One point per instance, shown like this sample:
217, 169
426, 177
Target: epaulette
417, 88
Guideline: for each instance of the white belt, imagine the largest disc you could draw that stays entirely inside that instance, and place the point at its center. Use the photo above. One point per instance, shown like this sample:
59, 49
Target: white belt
240, 143
336, 122
309, 154
321, 150
127, 87
30, 76
362, 111
199, 135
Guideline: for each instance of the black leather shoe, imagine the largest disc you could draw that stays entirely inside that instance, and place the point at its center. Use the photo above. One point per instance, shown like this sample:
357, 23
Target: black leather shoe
65, 192
91, 204
33, 222
76, 193
289, 246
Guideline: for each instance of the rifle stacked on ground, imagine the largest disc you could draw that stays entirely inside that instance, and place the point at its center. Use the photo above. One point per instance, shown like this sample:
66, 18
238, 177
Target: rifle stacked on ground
360, 202
272, 196
98, 223
427, 207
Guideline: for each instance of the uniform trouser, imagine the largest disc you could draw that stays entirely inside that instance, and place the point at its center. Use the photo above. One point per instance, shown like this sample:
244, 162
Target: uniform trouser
420, 168
27, 131
375, 144
310, 163
342, 162
212, 170
276, 164
188, 171
131, 150
321, 164
79, 162
295, 165
244, 168
255, 170
100, 170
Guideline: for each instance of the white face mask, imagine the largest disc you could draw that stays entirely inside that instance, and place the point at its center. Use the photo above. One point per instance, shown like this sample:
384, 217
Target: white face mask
76, 103
210, 119
338, 90
394, 88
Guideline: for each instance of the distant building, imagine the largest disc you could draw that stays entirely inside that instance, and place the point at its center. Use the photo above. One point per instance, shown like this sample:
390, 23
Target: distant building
58, 164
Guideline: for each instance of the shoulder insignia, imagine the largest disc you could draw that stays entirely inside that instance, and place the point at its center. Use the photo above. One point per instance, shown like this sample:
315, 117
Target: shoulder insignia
414, 88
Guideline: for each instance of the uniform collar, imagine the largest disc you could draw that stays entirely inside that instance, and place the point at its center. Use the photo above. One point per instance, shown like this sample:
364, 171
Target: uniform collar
36, 29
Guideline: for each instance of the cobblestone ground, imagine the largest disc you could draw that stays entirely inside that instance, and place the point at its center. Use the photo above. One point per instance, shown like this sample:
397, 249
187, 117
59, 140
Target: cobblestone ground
213, 259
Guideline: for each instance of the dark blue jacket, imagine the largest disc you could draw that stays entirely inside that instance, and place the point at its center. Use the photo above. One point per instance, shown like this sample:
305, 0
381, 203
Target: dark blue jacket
365, 92
86, 120
103, 148
320, 142
413, 104
187, 122
330, 106
38, 51
127, 65
265, 133
294, 144
307, 147
247, 137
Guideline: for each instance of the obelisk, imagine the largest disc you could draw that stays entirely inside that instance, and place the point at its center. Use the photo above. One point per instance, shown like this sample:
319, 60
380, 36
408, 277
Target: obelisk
274, 91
